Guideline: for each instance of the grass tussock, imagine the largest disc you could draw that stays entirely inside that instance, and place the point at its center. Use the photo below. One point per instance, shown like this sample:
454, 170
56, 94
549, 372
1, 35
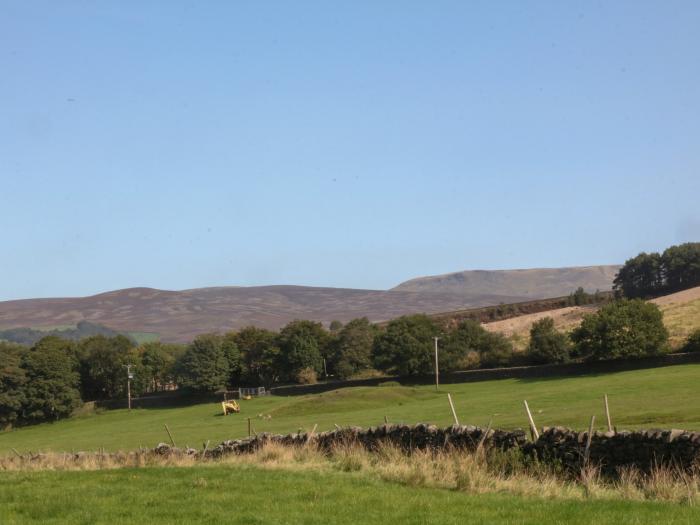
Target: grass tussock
473, 473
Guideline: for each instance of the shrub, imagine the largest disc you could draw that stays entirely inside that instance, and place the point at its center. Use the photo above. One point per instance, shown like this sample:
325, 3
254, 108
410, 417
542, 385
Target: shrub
469, 345
693, 342
547, 345
307, 376
470, 361
624, 328
496, 350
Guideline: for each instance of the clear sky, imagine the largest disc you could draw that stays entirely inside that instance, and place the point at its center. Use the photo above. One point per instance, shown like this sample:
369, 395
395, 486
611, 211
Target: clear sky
183, 144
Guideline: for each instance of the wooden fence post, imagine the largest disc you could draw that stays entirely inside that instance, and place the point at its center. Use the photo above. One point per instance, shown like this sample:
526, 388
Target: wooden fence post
533, 428
452, 406
607, 414
172, 441
587, 451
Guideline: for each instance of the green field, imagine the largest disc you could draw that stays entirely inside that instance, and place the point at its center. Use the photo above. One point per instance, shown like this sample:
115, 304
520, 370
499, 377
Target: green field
144, 337
661, 397
246, 494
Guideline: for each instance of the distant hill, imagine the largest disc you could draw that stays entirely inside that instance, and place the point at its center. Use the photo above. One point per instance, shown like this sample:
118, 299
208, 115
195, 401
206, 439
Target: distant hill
536, 283
180, 315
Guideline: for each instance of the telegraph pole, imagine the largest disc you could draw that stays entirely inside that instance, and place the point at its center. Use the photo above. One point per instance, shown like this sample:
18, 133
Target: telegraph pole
437, 380
129, 377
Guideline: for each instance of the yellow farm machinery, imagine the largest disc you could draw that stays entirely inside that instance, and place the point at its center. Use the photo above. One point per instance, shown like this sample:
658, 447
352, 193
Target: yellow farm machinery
230, 406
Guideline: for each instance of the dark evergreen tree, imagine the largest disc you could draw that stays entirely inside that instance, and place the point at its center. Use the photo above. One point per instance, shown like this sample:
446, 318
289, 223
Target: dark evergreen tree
204, 367
260, 356
302, 344
52, 388
12, 382
352, 348
103, 363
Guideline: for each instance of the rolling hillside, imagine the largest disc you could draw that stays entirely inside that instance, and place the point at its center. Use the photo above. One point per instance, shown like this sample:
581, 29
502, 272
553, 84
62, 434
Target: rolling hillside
536, 283
177, 316
681, 315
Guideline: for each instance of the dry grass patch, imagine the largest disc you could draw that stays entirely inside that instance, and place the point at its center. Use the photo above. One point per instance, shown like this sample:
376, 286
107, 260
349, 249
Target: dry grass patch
473, 473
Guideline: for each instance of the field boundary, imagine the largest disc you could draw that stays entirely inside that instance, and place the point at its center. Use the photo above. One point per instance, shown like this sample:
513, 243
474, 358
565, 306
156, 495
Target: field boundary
514, 372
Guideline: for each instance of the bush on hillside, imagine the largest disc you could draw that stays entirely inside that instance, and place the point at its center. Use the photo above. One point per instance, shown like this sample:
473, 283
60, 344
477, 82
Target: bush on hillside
622, 329
692, 344
496, 351
469, 345
547, 344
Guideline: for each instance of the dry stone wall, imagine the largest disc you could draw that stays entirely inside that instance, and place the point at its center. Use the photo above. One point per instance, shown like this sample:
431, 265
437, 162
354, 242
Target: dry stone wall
643, 449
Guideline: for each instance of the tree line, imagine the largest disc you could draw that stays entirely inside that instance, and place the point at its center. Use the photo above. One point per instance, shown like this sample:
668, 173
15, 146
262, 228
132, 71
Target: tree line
49, 380
653, 274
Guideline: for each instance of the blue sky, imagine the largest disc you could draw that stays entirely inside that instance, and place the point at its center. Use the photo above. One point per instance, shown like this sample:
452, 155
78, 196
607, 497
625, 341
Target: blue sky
185, 144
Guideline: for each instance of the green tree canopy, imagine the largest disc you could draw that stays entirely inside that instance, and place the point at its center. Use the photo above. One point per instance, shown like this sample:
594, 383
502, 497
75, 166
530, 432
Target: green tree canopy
623, 328
547, 344
204, 367
52, 387
693, 342
103, 363
233, 357
158, 360
406, 346
681, 266
302, 344
470, 337
650, 274
352, 348
496, 350
12, 383
260, 355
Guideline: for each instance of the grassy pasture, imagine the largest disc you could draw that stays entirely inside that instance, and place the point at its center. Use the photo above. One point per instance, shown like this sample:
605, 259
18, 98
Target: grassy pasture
249, 494
661, 397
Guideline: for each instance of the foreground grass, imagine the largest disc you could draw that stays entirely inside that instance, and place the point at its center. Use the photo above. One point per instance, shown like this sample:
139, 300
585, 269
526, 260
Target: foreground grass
245, 493
661, 397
